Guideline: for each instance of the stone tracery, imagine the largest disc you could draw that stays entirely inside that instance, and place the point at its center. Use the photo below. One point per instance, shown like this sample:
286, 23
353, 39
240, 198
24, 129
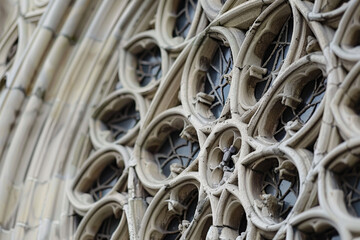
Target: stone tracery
212, 120
188, 140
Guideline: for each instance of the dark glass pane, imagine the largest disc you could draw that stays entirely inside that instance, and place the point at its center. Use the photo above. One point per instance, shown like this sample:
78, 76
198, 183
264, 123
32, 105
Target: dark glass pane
350, 184
172, 230
174, 223
107, 228
330, 234
105, 182
12, 52
274, 57
280, 131
243, 224
76, 220
120, 122
216, 83
176, 150
190, 204
184, 17
148, 66
286, 191
311, 96
172, 236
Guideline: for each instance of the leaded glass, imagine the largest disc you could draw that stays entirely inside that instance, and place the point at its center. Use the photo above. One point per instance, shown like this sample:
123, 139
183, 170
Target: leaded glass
217, 79
285, 190
148, 66
176, 150
311, 97
120, 122
107, 228
350, 184
190, 203
106, 181
184, 17
274, 58
225, 126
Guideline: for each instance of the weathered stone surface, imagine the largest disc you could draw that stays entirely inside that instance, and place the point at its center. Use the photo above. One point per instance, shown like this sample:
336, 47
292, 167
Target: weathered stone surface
189, 119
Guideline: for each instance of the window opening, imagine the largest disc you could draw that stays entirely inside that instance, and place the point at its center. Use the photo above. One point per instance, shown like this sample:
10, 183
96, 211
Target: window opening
274, 58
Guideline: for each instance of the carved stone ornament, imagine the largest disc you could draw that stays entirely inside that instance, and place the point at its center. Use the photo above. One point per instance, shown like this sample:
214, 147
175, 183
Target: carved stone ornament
168, 146
117, 120
180, 119
103, 173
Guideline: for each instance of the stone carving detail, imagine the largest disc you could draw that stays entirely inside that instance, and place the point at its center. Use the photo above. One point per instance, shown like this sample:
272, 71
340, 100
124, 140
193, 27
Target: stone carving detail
105, 220
218, 78
227, 120
104, 173
274, 57
299, 111
279, 190
207, 85
118, 120
219, 163
176, 154
177, 211
168, 146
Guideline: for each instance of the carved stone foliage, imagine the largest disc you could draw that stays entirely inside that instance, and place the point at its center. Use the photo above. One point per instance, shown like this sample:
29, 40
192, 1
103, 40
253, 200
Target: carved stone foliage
228, 120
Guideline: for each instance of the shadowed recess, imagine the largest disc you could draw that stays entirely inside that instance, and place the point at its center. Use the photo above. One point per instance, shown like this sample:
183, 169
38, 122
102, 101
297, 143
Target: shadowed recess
330, 234
148, 66
176, 151
121, 121
107, 228
311, 97
350, 184
12, 52
172, 231
285, 191
106, 181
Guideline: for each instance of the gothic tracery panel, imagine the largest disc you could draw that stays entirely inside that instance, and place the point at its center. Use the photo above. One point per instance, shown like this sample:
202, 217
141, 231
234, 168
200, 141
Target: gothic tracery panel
228, 120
